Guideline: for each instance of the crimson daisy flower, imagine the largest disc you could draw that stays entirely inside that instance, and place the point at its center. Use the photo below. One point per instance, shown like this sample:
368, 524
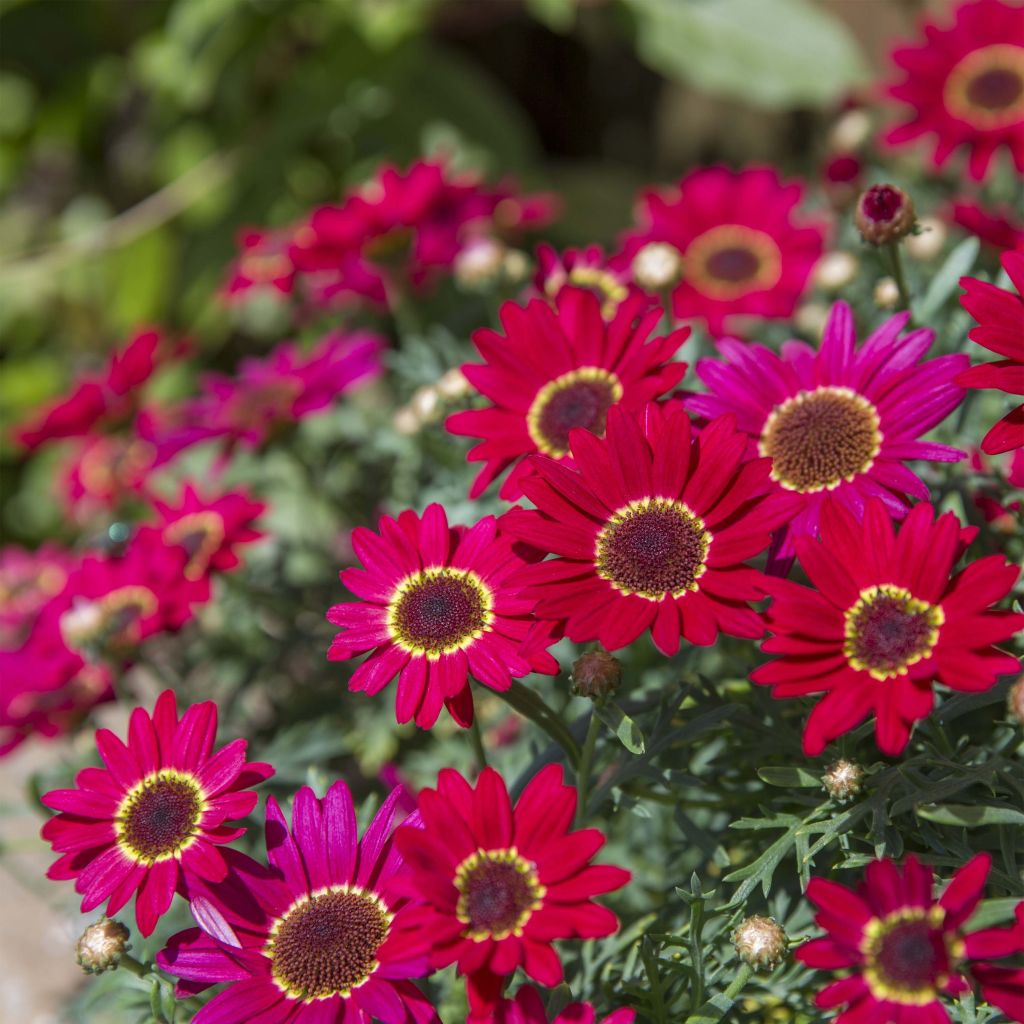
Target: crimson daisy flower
498, 883
966, 85
1000, 986
155, 813
744, 249
314, 939
886, 621
263, 264
839, 423
556, 369
903, 948
528, 1008
1000, 316
652, 531
209, 530
436, 609
28, 581
1000, 229
609, 278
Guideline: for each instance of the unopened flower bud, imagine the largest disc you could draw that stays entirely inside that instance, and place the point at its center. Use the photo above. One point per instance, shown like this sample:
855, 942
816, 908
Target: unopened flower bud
478, 265
887, 293
453, 384
596, 675
835, 270
843, 780
406, 421
101, 946
425, 403
657, 265
760, 942
850, 131
516, 266
929, 240
884, 214
811, 318
1015, 701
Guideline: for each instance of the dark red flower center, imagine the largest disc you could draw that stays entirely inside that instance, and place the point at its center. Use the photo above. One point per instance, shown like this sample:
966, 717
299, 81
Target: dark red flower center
881, 203
817, 439
326, 944
201, 535
889, 629
733, 264
498, 891
906, 956
438, 611
986, 88
580, 398
653, 548
158, 817
732, 260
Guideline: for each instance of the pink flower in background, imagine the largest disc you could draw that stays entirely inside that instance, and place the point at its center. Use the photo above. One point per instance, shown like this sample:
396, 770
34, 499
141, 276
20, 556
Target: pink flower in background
263, 264
609, 278
999, 228
28, 580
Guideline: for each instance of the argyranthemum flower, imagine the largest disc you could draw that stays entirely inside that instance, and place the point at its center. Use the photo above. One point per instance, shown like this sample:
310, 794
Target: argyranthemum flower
28, 581
839, 423
904, 949
999, 228
528, 1008
966, 85
498, 883
435, 609
1000, 316
155, 814
316, 939
608, 278
1000, 986
263, 264
651, 532
885, 622
209, 530
744, 249
557, 369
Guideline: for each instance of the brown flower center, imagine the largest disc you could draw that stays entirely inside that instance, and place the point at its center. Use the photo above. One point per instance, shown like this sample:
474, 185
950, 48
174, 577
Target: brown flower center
498, 891
438, 611
158, 817
986, 89
579, 398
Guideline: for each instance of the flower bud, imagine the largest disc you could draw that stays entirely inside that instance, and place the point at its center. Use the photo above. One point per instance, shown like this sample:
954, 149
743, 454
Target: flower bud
453, 384
850, 131
1015, 701
887, 293
835, 270
929, 240
843, 780
811, 318
101, 946
656, 266
760, 942
478, 264
884, 214
516, 266
596, 675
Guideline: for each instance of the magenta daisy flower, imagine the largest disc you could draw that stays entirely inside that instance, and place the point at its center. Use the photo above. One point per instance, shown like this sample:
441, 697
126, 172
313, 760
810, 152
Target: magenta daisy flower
528, 1008
903, 949
608, 278
155, 813
887, 619
498, 883
316, 939
28, 581
651, 532
557, 369
965, 83
436, 609
745, 250
839, 423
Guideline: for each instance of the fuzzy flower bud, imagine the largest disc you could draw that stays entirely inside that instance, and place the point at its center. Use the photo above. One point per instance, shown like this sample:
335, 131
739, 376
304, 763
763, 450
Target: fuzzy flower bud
835, 270
101, 946
887, 293
884, 214
479, 264
596, 675
1015, 701
843, 780
929, 240
656, 266
760, 942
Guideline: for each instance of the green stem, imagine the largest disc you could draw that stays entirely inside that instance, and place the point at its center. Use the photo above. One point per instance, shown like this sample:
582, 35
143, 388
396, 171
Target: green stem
586, 762
531, 705
477, 741
897, 272
133, 966
742, 977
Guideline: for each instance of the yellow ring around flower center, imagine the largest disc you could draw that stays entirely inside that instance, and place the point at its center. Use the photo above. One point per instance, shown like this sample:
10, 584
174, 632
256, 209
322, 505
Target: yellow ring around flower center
157, 818
1003, 59
579, 398
498, 893
879, 980
751, 254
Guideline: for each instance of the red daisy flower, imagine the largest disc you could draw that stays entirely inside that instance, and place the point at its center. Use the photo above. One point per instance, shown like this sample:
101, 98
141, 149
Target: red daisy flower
1000, 229
263, 264
1000, 316
313, 940
966, 85
435, 609
608, 278
904, 948
556, 369
652, 532
744, 250
500, 883
885, 622
528, 1008
28, 581
156, 813
98, 401
1000, 986
209, 531
839, 423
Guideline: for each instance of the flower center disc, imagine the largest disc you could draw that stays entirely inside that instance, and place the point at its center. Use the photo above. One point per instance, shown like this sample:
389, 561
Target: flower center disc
158, 817
498, 891
907, 960
817, 439
111, 621
438, 611
579, 398
732, 260
889, 629
653, 548
200, 534
986, 88
326, 945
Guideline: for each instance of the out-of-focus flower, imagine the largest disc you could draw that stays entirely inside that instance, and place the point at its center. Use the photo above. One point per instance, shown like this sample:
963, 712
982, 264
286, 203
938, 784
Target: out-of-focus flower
929, 241
1000, 316
1000, 229
609, 279
886, 293
263, 264
886, 620
743, 248
155, 813
557, 369
28, 580
965, 84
